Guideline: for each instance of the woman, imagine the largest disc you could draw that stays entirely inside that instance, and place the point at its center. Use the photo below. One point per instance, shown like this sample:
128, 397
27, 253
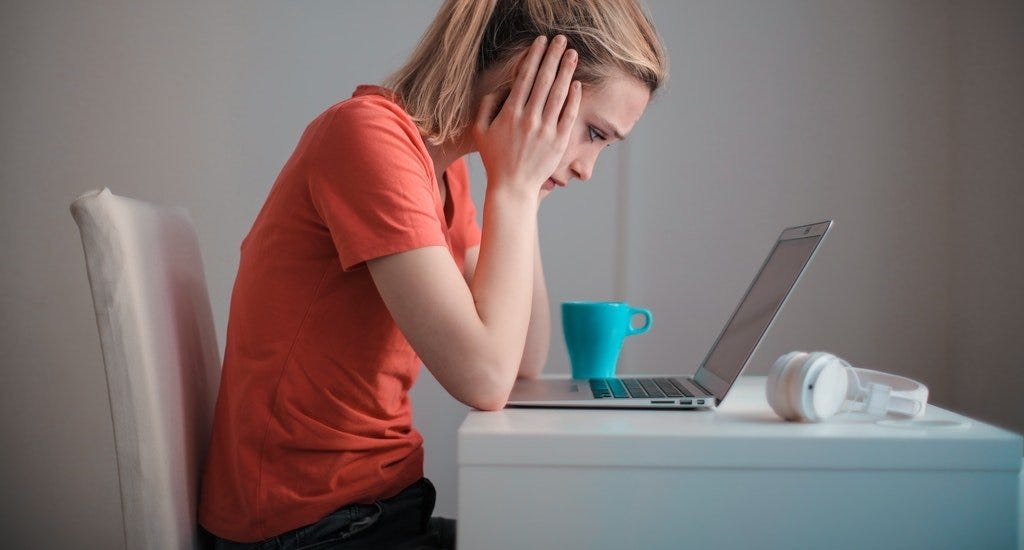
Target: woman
366, 260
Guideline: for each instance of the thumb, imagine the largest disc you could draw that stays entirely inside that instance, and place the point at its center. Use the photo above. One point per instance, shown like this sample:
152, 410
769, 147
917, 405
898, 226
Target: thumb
488, 110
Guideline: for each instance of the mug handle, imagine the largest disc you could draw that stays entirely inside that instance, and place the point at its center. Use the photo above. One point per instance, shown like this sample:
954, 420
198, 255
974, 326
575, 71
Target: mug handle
648, 319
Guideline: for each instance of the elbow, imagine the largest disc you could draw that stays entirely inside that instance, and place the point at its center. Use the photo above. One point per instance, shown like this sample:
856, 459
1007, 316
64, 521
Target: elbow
492, 392
492, 404
479, 379
486, 401
493, 399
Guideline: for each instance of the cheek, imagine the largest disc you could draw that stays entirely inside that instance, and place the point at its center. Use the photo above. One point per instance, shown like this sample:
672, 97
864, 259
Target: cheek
570, 153
578, 143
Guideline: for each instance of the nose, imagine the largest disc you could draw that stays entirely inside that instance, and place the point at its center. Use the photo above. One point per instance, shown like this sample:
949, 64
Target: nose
583, 167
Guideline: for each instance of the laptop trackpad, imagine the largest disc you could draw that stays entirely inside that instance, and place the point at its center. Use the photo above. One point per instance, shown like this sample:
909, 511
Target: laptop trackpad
550, 390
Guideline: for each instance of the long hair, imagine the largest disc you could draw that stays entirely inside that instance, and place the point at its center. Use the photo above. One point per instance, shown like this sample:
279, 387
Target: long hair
468, 37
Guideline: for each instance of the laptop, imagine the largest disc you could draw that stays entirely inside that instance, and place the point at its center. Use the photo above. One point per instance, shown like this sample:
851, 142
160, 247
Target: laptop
734, 347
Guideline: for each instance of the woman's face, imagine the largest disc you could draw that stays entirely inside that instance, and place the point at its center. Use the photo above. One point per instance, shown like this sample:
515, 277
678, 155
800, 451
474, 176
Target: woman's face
607, 114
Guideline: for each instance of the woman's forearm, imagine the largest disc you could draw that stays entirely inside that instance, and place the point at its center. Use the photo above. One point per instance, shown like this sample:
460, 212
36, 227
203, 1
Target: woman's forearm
538, 336
502, 286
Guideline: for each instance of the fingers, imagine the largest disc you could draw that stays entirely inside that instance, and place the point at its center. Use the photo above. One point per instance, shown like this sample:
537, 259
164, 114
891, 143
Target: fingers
560, 87
572, 108
545, 76
488, 108
526, 72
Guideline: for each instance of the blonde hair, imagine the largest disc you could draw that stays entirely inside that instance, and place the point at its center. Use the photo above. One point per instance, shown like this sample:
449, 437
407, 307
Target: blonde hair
468, 37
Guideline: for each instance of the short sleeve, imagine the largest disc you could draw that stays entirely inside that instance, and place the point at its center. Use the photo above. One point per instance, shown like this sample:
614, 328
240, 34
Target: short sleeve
370, 182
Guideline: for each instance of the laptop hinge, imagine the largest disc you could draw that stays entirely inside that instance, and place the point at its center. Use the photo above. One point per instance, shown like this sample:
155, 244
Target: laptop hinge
696, 383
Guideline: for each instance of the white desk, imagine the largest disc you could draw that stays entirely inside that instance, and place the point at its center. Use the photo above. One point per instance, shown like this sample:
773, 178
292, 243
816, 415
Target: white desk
735, 478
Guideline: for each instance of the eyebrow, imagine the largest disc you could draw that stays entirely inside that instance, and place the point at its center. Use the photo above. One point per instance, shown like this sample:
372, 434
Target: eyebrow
615, 131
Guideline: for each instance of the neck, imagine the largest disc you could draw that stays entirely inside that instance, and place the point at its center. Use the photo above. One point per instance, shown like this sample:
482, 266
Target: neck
445, 154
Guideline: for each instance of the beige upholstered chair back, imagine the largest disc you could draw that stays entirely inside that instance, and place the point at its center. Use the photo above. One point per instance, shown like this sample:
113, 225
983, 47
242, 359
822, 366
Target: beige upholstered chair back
161, 358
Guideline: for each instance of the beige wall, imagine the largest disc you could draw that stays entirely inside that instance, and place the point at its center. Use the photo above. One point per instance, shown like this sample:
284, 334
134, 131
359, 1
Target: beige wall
781, 113
987, 321
901, 120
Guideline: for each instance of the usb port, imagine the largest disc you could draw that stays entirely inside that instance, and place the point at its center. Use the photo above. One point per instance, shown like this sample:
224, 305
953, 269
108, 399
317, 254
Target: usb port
686, 402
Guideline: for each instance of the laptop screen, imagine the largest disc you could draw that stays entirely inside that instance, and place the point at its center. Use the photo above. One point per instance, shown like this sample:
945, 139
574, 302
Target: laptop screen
758, 308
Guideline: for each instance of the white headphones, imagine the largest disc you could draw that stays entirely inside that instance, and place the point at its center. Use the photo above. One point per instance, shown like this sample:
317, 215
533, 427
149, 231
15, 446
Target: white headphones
812, 387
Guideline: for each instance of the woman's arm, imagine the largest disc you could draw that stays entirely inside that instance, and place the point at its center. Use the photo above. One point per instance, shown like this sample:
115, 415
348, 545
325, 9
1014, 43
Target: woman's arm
472, 336
538, 335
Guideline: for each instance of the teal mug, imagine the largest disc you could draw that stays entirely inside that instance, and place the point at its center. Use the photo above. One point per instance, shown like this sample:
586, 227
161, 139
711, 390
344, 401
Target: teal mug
594, 332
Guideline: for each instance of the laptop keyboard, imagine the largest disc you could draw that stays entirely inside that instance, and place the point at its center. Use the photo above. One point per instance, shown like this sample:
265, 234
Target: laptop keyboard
621, 388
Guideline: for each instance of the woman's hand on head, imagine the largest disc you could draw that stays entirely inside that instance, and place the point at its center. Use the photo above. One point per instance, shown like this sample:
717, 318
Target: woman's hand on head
522, 145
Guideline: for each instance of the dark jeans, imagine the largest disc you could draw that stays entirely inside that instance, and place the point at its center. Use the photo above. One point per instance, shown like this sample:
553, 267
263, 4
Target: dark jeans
400, 522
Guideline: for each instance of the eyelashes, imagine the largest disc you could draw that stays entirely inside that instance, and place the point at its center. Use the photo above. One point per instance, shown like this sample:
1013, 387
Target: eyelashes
595, 134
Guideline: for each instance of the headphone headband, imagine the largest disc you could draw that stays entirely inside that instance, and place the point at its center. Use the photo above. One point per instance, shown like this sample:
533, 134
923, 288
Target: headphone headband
906, 397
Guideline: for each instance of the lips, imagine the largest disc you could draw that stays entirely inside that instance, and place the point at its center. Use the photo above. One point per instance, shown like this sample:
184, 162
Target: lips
551, 183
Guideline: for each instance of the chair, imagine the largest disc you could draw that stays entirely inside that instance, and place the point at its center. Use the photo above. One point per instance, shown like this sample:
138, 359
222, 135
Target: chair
161, 358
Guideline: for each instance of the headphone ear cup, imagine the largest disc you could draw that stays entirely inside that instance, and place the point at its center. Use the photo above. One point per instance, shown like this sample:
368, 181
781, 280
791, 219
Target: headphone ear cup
828, 389
779, 381
795, 381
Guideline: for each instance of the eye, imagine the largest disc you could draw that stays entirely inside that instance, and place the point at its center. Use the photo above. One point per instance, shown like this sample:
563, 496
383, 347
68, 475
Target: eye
594, 133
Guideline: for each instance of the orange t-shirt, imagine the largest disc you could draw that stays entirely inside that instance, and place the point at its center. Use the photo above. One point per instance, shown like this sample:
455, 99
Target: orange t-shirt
313, 411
